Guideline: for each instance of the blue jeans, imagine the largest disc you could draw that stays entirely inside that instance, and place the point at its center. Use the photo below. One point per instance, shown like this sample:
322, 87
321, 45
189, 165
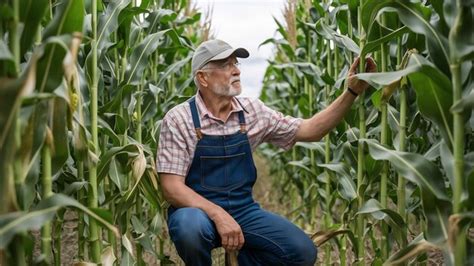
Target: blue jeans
269, 238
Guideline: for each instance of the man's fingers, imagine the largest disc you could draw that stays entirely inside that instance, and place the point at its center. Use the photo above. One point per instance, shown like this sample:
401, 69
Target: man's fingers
371, 66
230, 244
236, 242
353, 69
225, 241
241, 240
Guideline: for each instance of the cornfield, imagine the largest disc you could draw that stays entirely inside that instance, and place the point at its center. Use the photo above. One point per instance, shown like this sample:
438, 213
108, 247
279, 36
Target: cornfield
84, 85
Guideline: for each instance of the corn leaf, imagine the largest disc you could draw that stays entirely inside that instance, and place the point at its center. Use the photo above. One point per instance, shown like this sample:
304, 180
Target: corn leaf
415, 17
140, 54
417, 246
108, 23
433, 89
31, 14
67, 20
341, 40
13, 223
466, 103
428, 177
375, 44
347, 187
461, 38
60, 136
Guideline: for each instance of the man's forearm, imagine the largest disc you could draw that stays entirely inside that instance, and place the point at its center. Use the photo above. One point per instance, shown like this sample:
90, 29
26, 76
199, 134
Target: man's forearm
320, 124
179, 195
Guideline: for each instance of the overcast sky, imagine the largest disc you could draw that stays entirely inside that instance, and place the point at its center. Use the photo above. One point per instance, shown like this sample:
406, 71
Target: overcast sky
246, 23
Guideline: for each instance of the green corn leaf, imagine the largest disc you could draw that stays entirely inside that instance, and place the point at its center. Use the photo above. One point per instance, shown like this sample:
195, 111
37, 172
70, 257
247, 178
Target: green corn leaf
11, 92
108, 23
150, 191
413, 166
347, 187
105, 128
57, 35
427, 176
466, 103
469, 173
414, 17
137, 225
14, 223
315, 146
433, 89
5, 53
60, 137
140, 54
145, 241
172, 69
373, 207
374, 45
155, 18
447, 161
341, 40
308, 70
50, 71
68, 18
118, 175
109, 157
434, 97
461, 37
7, 63
281, 29
156, 225
31, 14
300, 165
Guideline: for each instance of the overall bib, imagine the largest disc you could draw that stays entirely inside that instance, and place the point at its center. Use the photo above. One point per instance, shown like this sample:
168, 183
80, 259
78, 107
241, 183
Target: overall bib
223, 171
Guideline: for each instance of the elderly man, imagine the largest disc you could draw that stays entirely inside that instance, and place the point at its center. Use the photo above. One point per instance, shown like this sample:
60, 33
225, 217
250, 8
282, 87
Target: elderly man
207, 171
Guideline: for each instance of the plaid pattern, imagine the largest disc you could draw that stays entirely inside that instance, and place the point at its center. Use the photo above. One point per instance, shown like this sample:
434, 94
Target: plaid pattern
178, 137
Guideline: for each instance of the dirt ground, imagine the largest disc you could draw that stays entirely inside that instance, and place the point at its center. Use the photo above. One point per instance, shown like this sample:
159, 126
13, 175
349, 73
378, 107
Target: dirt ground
263, 193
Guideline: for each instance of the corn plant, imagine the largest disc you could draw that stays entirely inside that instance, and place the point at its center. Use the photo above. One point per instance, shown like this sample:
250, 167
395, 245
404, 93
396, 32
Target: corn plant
80, 80
402, 156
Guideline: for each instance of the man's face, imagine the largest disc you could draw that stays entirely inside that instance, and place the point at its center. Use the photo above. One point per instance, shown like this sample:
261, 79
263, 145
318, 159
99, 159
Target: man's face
224, 77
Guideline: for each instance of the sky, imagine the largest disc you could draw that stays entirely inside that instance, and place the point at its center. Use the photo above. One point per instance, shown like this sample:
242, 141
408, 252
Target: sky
246, 23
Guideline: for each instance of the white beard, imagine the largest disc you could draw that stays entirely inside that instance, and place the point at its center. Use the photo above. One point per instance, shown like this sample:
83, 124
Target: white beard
228, 91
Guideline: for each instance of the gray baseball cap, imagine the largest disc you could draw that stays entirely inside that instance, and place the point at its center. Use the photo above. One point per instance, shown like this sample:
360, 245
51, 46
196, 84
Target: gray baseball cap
212, 50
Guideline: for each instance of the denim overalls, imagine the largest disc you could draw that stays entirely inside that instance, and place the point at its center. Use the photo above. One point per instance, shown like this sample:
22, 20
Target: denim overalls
223, 172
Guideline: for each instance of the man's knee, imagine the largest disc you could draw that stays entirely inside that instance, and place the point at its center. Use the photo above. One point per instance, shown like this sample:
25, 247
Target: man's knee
190, 226
304, 253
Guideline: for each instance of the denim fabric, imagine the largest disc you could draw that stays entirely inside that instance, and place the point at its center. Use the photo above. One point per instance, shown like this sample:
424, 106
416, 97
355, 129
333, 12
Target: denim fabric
223, 172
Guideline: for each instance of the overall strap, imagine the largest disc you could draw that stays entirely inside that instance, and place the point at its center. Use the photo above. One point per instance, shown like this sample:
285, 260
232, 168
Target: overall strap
242, 122
194, 113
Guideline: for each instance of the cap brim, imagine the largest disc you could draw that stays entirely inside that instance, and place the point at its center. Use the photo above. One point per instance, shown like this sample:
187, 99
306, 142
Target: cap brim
239, 52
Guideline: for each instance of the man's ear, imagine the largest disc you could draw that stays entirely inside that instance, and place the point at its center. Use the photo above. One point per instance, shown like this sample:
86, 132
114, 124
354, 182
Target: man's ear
202, 78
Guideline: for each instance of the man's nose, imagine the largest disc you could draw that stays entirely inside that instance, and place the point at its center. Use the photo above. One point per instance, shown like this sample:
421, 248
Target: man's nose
235, 70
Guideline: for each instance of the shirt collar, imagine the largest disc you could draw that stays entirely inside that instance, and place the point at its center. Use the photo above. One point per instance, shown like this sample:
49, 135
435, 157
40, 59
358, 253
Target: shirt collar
203, 111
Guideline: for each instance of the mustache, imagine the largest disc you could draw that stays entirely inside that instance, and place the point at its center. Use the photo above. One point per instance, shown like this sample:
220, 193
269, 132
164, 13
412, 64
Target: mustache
234, 80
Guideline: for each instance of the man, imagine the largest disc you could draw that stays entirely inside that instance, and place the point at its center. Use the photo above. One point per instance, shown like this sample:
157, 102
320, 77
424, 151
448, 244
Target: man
207, 171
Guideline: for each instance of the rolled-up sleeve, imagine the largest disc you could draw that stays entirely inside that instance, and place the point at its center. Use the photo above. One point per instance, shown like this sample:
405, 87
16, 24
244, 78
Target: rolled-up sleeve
281, 129
172, 156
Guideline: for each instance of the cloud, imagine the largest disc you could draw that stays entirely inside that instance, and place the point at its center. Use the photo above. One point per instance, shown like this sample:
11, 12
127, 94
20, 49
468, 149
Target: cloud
247, 23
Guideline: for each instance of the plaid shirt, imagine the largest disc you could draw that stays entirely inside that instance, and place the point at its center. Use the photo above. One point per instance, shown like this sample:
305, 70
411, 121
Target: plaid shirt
178, 136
